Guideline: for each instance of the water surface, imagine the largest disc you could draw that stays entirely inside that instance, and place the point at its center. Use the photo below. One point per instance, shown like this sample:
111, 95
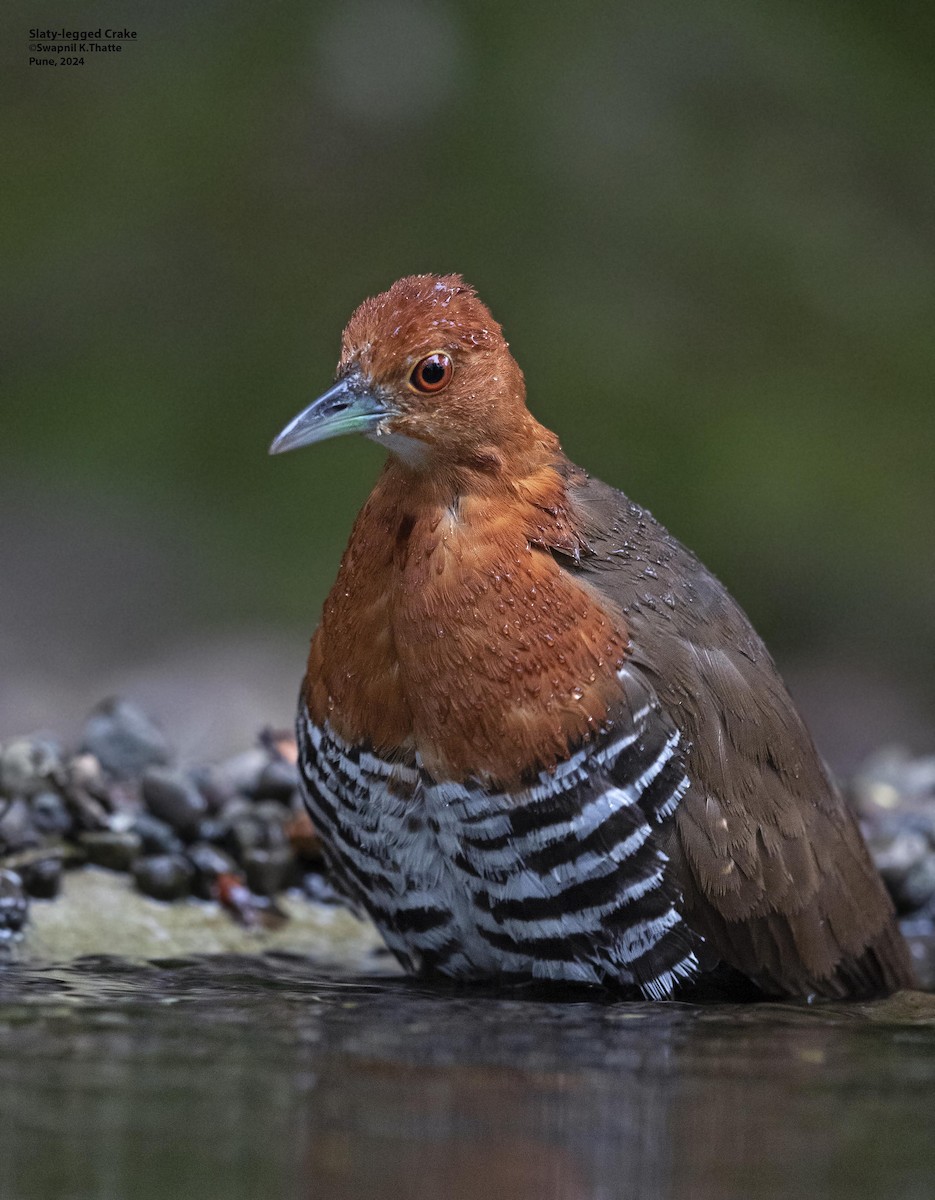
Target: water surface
238, 1076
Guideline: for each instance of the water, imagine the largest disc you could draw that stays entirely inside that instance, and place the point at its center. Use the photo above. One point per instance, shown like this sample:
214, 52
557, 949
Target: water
236, 1076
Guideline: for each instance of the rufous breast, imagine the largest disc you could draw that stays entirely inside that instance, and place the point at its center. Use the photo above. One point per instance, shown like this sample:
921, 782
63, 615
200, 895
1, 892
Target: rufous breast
452, 631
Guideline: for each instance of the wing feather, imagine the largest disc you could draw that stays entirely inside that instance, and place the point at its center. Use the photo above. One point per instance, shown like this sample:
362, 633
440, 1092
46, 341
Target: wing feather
773, 868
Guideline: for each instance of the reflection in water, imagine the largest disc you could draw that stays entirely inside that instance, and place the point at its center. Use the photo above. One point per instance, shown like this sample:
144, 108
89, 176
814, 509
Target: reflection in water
493, 1098
248, 1077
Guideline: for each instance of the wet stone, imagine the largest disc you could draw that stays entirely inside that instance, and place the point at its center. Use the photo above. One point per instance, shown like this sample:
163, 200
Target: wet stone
244, 835
49, 814
898, 856
269, 871
274, 817
917, 889
17, 828
212, 829
123, 796
88, 812
213, 796
924, 823
85, 772
218, 829
892, 780
116, 850
256, 826
277, 781
42, 878
157, 836
28, 765
280, 744
84, 791
121, 822
174, 798
883, 826
209, 862
239, 775
319, 888
124, 739
163, 876
14, 905
236, 809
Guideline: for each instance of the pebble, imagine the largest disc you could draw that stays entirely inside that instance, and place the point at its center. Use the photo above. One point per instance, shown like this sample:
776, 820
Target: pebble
259, 826
278, 781
239, 775
217, 828
243, 835
85, 789
116, 850
209, 862
118, 805
157, 836
280, 743
212, 829
17, 829
274, 817
895, 797
49, 814
124, 739
917, 888
213, 797
269, 871
896, 857
42, 878
163, 876
174, 798
88, 812
891, 779
319, 888
123, 796
236, 807
85, 771
27, 765
14, 905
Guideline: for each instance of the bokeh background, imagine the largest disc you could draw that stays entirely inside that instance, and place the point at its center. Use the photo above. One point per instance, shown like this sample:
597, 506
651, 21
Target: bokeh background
709, 231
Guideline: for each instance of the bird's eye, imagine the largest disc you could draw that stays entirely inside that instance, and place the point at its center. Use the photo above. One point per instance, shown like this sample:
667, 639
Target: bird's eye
432, 374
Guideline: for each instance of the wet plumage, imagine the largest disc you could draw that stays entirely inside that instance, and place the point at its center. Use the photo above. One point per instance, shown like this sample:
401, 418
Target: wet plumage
540, 740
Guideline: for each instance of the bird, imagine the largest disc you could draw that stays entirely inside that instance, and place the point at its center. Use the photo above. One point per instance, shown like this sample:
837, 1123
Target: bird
540, 741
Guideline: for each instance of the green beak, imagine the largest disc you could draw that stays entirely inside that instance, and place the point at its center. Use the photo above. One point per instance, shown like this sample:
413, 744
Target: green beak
351, 406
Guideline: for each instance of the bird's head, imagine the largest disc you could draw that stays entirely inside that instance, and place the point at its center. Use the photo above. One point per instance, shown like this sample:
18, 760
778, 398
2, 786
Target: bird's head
426, 372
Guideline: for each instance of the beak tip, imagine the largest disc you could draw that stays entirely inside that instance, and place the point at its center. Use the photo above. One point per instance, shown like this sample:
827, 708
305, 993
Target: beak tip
350, 406
283, 441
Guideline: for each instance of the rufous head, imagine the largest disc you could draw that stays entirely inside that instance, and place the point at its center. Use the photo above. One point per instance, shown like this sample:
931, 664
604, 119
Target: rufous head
426, 372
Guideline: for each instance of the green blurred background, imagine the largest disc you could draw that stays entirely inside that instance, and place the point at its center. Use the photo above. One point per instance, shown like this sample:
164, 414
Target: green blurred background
709, 232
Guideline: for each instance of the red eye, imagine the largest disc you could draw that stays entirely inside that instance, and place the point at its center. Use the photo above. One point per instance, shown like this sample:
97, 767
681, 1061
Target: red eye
432, 373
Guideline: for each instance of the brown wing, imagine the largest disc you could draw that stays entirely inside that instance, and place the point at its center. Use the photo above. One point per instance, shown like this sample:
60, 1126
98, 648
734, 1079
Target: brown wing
774, 871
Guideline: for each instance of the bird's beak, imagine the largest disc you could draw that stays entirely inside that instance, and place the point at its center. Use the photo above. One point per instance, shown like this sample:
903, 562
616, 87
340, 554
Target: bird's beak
351, 406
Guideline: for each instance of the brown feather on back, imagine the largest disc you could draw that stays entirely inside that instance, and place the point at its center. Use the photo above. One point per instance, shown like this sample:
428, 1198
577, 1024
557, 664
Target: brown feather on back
773, 867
